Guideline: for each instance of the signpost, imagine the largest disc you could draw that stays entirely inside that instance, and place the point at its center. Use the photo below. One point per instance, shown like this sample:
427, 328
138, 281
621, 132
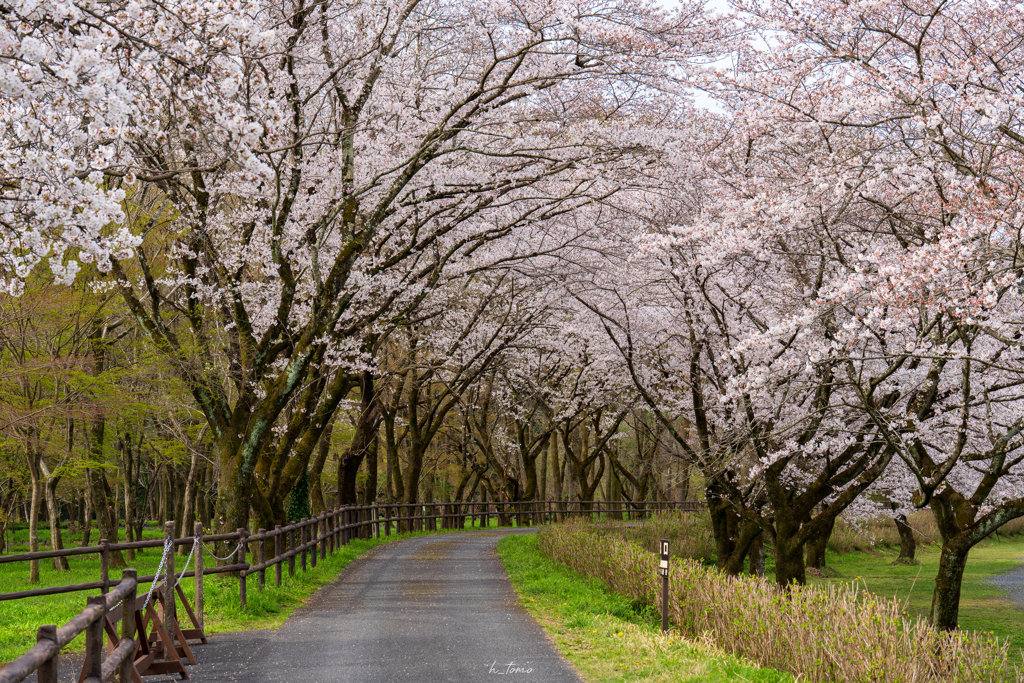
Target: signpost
663, 572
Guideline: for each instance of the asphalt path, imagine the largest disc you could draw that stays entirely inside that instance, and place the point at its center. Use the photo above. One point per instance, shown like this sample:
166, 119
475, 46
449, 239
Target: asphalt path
1012, 583
432, 609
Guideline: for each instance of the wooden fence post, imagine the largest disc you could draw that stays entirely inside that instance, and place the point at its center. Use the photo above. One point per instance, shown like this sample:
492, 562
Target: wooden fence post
263, 558
313, 542
170, 599
243, 535
124, 672
93, 666
302, 541
277, 555
291, 548
200, 565
47, 671
322, 525
105, 565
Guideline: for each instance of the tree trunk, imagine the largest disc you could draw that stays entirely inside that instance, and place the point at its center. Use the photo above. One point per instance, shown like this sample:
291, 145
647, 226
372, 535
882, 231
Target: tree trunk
370, 492
556, 476
946, 598
366, 429
756, 556
542, 474
87, 518
98, 488
56, 540
817, 545
908, 544
33, 514
188, 518
316, 469
789, 562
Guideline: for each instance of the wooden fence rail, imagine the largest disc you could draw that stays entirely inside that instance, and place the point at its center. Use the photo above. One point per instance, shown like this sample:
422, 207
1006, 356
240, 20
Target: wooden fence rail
312, 539
42, 659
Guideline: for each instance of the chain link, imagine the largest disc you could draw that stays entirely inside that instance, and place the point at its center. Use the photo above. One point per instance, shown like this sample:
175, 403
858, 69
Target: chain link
227, 557
168, 547
195, 542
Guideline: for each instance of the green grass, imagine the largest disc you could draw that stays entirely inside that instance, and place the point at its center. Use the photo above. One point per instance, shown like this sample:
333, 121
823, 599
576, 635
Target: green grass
983, 607
608, 638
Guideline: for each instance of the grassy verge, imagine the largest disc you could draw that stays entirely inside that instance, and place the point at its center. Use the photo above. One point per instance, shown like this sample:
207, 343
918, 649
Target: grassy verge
19, 619
607, 637
983, 606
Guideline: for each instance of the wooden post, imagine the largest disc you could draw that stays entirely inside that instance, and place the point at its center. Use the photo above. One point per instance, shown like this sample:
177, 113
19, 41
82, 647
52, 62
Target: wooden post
243, 536
332, 530
170, 599
291, 548
262, 558
124, 672
277, 555
302, 541
93, 666
47, 671
105, 565
313, 542
324, 535
200, 602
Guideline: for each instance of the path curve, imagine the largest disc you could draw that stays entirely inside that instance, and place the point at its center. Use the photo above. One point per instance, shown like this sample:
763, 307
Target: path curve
432, 609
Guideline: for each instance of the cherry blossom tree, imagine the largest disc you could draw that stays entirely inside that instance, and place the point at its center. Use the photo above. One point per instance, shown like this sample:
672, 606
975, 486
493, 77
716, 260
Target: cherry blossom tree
904, 120
293, 176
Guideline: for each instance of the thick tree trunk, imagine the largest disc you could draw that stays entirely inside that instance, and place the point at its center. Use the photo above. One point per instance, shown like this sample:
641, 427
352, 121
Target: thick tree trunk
789, 562
756, 556
370, 492
908, 544
366, 429
817, 545
946, 598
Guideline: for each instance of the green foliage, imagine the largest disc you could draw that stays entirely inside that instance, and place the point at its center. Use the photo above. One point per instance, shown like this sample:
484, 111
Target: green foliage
298, 500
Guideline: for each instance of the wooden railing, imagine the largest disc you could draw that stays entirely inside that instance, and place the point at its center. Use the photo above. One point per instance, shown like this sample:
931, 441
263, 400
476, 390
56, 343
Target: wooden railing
99, 612
302, 543
314, 538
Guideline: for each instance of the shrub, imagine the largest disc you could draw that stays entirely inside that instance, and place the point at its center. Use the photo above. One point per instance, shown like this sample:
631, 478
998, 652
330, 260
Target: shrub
830, 633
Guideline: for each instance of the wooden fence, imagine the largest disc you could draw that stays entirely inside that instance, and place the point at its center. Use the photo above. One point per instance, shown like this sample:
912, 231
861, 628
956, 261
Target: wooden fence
301, 543
309, 539
100, 612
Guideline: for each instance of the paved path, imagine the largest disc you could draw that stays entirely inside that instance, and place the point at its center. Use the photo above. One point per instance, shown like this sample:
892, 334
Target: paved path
431, 609
1012, 583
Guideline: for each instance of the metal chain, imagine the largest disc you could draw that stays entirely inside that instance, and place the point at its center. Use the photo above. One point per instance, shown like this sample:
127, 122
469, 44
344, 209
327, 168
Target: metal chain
168, 547
195, 542
227, 557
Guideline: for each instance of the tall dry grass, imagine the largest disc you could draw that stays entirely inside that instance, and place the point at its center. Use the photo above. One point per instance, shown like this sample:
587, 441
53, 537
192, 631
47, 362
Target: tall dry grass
837, 634
689, 534
852, 535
